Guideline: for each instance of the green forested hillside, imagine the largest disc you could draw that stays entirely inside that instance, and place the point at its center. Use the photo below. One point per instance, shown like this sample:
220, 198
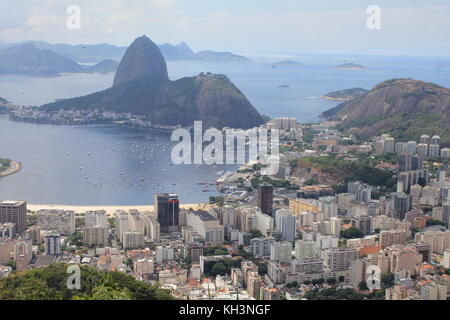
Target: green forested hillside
50, 283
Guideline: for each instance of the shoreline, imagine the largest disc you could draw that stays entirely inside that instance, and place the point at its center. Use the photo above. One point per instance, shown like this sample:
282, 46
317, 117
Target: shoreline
14, 168
110, 209
335, 99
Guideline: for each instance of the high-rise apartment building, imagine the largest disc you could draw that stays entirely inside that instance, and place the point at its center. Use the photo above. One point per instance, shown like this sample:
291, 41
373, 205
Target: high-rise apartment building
392, 237
122, 225
363, 223
339, 258
281, 251
167, 209
95, 236
62, 221
133, 240
14, 212
52, 243
305, 250
285, 222
265, 198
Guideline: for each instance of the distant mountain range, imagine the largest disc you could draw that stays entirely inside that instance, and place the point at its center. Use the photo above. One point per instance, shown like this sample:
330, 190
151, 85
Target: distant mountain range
97, 52
105, 66
141, 87
405, 108
27, 59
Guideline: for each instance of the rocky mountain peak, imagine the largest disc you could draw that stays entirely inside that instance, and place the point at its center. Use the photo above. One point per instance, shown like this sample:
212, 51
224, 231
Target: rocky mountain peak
142, 59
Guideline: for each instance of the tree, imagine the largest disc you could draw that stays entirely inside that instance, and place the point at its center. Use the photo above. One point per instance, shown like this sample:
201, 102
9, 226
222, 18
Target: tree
108, 290
217, 200
112, 223
255, 233
80, 222
363, 286
215, 251
341, 278
434, 222
422, 182
352, 233
50, 283
292, 284
218, 269
11, 263
387, 280
331, 281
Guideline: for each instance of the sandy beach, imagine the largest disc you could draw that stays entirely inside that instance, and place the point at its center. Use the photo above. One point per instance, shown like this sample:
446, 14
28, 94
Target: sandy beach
109, 209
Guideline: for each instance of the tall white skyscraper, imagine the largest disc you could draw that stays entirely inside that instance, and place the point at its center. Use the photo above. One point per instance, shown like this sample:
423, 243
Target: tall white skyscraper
281, 251
305, 250
286, 223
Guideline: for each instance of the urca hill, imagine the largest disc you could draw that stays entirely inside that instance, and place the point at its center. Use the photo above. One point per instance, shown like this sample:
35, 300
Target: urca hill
405, 108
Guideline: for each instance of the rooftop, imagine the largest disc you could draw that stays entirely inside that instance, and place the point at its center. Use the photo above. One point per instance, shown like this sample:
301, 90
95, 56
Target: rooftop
204, 215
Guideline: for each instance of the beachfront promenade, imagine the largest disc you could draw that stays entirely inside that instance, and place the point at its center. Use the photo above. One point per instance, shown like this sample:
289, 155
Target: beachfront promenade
110, 210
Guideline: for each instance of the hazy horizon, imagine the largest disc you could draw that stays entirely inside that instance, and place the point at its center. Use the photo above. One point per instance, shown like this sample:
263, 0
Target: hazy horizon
416, 28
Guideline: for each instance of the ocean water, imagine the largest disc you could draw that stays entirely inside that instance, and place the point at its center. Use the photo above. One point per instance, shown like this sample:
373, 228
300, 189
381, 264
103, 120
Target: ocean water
107, 165
97, 165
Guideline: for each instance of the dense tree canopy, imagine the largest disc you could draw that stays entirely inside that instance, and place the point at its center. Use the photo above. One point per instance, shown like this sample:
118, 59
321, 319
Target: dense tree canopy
50, 283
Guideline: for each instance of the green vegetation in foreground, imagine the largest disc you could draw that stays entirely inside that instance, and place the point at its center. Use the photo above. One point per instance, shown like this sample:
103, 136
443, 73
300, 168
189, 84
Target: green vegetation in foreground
50, 283
345, 171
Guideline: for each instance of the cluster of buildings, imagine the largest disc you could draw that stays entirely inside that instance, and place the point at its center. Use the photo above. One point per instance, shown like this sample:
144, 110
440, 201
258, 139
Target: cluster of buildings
275, 239
81, 116
426, 148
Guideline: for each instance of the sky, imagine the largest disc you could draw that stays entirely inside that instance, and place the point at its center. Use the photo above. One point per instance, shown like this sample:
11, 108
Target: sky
408, 27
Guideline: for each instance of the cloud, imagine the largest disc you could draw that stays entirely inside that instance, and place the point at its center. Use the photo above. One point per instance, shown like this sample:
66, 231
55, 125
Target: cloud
419, 29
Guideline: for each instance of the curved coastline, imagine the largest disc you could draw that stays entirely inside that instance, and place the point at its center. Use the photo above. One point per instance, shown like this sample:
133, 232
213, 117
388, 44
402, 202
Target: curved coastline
14, 168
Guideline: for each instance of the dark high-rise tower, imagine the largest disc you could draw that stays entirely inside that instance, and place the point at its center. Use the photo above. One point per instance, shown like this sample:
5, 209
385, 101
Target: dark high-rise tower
265, 198
167, 209
402, 204
404, 162
416, 163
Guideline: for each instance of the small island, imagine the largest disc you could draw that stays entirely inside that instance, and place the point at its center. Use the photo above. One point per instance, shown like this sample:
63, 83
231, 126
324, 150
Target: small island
9, 167
349, 66
286, 63
345, 95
